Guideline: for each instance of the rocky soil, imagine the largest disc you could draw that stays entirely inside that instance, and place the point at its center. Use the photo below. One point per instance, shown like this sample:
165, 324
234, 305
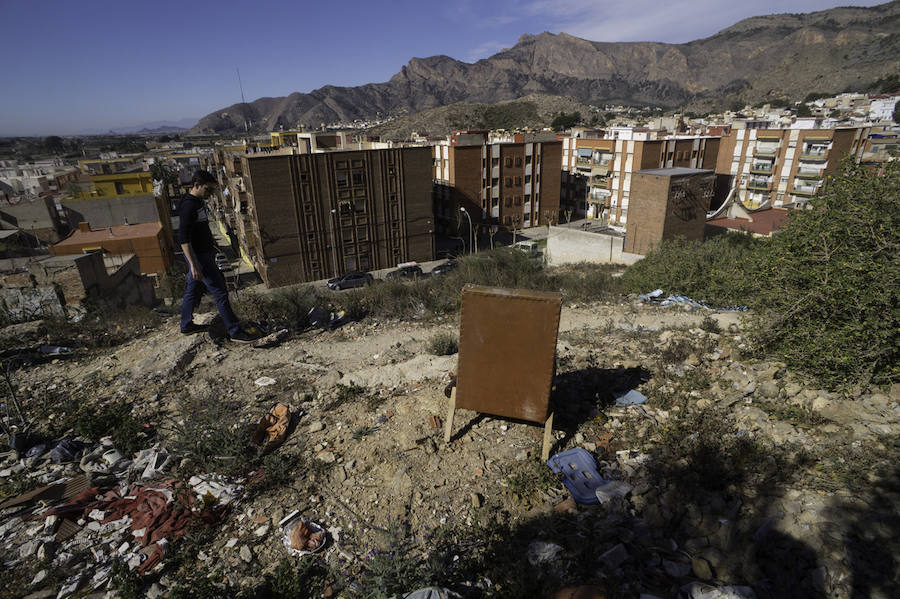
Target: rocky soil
737, 474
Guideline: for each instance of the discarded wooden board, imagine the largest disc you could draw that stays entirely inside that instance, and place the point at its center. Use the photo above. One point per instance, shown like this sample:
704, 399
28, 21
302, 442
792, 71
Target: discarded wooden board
507, 351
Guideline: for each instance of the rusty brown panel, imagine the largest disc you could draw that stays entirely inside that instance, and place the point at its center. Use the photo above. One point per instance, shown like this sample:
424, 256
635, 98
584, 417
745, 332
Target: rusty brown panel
507, 346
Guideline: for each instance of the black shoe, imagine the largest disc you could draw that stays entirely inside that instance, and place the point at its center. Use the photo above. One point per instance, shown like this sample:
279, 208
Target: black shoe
193, 327
243, 336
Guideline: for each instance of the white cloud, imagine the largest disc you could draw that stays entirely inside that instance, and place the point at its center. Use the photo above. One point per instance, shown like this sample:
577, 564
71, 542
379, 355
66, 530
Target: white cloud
651, 20
486, 49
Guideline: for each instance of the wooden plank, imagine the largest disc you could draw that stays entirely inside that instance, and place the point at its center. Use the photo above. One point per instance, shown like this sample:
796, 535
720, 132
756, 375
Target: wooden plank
548, 435
448, 425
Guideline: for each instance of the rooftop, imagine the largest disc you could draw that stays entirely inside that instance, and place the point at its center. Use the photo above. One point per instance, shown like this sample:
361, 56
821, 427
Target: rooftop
116, 232
761, 222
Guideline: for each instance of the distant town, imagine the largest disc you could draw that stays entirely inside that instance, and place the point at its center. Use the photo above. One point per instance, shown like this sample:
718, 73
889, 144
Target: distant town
92, 217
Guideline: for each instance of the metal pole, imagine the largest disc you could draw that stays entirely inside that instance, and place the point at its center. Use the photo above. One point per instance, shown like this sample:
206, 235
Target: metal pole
471, 230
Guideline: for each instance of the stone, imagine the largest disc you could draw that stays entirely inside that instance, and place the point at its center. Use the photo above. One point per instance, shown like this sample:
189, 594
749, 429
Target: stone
316, 426
615, 557
701, 568
676, 569
769, 389
246, 554
262, 531
326, 457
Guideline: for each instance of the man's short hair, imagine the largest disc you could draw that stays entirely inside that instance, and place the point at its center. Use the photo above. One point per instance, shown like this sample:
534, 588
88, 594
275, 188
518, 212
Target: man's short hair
202, 177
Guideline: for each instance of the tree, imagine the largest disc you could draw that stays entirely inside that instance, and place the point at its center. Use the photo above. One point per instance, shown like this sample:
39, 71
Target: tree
54, 144
828, 304
565, 121
803, 110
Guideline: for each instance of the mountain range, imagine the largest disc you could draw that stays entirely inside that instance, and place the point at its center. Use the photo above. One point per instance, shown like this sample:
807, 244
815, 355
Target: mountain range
773, 57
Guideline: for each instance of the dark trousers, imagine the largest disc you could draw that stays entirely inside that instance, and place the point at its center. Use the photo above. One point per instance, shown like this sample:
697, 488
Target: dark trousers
213, 281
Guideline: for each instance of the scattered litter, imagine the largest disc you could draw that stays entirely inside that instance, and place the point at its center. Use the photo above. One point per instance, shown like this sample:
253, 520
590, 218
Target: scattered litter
428, 593
629, 398
612, 489
272, 428
150, 463
541, 552
67, 450
579, 472
655, 297
325, 320
698, 590
54, 350
264, 381
302, 537
214, 489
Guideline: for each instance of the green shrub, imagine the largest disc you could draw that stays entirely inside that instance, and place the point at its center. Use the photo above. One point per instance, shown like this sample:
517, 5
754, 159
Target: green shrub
116, 419
443, 344
719, 271
830, 301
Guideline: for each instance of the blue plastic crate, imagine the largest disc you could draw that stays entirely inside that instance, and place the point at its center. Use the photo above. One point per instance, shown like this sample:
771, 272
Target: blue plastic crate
579, 472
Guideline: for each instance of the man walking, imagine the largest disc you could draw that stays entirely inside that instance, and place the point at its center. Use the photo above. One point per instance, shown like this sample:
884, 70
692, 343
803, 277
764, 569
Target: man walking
200, 251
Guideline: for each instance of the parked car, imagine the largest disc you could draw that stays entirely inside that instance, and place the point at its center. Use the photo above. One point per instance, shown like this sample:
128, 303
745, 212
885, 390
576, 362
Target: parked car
529, 247
409, 271
446, 267
350, 280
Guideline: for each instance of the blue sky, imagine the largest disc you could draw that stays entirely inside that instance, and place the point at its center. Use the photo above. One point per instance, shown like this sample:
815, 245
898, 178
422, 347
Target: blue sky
74, 66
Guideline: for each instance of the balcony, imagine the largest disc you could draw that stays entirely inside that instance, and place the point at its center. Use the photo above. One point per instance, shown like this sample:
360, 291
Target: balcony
876, 156
809, 173
760, 184
582, 161
762, 168
806, 190
814, 153
766, 149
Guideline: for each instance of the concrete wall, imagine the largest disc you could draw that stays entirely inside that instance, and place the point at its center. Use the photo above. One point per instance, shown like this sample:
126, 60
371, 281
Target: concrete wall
569, 246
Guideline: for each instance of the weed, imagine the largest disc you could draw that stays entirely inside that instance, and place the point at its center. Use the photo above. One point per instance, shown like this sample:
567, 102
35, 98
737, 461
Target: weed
710, 325
363, 431
278, 470
303, 579
18, 483
345, 394
125, 581
115, 419
797, 415
443, 344
210, 436
529, 479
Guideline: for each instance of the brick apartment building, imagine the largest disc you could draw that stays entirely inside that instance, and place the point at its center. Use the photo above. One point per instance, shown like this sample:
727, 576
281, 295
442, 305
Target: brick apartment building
667, 203
786, 167
511, 185
148, 241
305, 217
609, 164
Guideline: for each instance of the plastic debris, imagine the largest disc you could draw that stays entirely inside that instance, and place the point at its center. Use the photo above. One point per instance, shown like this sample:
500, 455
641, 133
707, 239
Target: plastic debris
213, 488
428, 593
302, 537
629, 398
698, 590
54, 350
326, 320
264, 381
66, 450
655, 296
273, 427
579, 472
611, 490
541, 552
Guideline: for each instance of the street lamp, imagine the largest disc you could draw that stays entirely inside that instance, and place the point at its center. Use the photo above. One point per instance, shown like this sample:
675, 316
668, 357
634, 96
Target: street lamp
471, 229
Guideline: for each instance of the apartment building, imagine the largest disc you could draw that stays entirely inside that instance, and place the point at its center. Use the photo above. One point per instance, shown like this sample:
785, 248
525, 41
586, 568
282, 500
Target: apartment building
668, 203
505, 184
304, 217
609, 165
784, 167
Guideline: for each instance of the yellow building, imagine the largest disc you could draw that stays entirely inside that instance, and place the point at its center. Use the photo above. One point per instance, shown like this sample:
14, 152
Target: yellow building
118, 185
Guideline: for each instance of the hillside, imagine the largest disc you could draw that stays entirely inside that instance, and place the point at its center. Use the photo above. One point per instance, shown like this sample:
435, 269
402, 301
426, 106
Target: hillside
766, 57
735, 472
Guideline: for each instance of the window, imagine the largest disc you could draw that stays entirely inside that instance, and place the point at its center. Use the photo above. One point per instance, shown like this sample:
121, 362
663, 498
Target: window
341, 164
495, 162
359, 205
359, 178
528, 160
358, 164
509, 181
508, 201
362, 234
119, 187
518, 200
518, 181
508, 161
341, 179
304, 177
518, 161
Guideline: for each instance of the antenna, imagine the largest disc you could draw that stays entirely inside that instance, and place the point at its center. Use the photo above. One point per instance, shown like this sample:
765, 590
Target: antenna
243, 101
